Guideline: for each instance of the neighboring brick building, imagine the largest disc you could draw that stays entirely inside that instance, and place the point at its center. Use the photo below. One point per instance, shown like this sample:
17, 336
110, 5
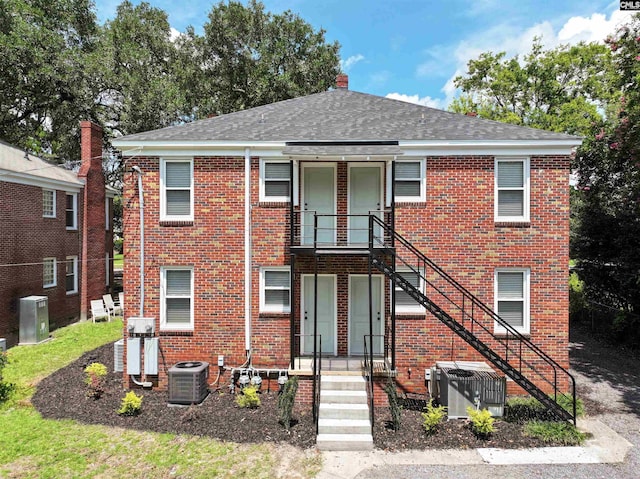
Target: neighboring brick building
236, 258
55, 239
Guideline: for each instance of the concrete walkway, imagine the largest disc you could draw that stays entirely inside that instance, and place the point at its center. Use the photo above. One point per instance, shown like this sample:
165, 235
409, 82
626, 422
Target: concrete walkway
606, 446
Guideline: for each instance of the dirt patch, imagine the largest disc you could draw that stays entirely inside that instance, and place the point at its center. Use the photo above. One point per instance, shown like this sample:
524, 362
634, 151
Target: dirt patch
63, 396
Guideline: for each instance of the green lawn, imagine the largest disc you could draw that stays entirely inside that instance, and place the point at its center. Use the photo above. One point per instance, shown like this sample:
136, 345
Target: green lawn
40, 448
118, 261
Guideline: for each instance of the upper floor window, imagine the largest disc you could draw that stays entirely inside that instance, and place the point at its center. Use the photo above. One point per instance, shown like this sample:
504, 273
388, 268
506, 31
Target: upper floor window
512, 189
49, 203
275, 180
49, 273
512, 299
177, 298
72, 211
275, 290
409, 182
72, 274
176, 190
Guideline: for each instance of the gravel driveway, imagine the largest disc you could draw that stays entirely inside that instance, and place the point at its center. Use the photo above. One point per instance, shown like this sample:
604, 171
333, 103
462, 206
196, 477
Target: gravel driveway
609, 383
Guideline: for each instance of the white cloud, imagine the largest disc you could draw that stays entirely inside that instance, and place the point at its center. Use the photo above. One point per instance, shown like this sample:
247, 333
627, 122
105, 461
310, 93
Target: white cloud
424, 101
346, 65
174, 34
592, 29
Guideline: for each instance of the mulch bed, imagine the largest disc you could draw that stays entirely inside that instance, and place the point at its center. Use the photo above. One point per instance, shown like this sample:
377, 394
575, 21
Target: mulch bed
63, 396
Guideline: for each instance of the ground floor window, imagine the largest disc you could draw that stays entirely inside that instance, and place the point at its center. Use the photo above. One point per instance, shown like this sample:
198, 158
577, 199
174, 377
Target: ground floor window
49, 273
511, 293
405, 304
72, 274
275, 290
176, 298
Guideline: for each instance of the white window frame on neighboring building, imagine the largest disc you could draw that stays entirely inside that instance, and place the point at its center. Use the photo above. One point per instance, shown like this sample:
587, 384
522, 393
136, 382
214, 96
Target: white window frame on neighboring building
415, 308
164, 296
524, 299
421, 178
73, 262
46, 212
74, 210
524, 188
270, 308
52, 265
164, 216
264, 180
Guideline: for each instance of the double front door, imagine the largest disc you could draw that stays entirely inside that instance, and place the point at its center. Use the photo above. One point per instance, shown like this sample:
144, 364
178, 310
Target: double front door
358, 324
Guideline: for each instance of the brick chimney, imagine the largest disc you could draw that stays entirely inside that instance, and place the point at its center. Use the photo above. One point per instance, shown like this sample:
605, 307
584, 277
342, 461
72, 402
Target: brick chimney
92, 263
342, 81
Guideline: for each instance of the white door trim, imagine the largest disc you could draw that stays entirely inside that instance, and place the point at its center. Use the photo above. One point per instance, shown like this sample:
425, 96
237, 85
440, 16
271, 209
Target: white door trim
303, 278
380, 166
335, 194
382, 316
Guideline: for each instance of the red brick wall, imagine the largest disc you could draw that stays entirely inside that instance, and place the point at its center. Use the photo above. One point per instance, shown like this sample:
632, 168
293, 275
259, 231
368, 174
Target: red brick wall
26, 237
455, 227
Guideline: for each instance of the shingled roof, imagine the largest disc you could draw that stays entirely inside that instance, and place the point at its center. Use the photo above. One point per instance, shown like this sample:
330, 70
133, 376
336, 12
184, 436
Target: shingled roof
343, 115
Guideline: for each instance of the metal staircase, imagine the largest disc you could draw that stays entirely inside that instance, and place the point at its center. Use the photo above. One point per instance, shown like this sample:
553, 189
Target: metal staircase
472, 320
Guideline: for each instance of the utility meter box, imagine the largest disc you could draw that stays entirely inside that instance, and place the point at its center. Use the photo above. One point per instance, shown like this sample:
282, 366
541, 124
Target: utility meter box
34, 319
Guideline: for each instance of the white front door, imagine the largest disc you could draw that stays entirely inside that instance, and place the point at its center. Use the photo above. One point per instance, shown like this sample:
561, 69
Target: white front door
365, 196
359, 313
318, 198
326, 313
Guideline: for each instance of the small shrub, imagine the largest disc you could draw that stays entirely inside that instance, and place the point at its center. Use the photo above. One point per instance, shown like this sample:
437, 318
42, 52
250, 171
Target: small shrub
131, 404
394, 406
433, 416
95, 374
248, 398
6, 388
554, 432
481, 421
286, 400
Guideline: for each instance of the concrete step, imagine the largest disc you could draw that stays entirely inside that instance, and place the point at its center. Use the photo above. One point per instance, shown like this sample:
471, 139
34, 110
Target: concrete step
343, 397
344, 426
343, 411
343, 383
344, 442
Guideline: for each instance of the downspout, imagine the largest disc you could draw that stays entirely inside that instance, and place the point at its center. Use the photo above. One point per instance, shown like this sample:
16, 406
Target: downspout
138, 171
247, 251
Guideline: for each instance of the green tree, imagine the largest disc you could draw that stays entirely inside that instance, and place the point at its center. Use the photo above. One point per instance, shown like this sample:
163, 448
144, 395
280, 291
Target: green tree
251, 57
607, 238
45, 85
564, 89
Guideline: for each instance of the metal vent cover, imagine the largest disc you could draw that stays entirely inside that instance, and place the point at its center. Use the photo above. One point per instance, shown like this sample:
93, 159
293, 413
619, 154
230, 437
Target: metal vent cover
188, 382
118, 356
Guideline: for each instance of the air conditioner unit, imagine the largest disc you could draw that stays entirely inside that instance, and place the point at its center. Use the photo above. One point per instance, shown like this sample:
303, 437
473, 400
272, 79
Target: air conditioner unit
188, 382
460, 387
118, 356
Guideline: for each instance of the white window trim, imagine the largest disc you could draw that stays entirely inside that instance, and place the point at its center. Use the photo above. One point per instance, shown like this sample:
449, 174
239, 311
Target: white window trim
264, 308
163, 189
75, 211
53, 199
75, 274
163, 297
526, 320
106, 268
414, 309
263, 197
55, 273
423, 182
526, 188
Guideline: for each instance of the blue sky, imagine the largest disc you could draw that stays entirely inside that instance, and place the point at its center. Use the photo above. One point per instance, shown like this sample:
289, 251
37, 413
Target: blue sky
412, 49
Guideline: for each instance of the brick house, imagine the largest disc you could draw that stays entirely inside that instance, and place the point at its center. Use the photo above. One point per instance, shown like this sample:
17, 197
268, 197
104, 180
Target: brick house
388, 230
56, 236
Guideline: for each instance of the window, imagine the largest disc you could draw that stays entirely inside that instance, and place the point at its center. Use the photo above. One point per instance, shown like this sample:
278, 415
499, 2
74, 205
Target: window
405, 303
275, 180
71, 280
176, 184
49, 203
72, 211
49, 273
275, 290
512, 299
177, 298
512, 189
409, 181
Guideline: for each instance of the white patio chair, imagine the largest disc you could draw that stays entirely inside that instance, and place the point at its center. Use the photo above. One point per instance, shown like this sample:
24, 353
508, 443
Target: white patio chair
98, 310
114, 309
121, 301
